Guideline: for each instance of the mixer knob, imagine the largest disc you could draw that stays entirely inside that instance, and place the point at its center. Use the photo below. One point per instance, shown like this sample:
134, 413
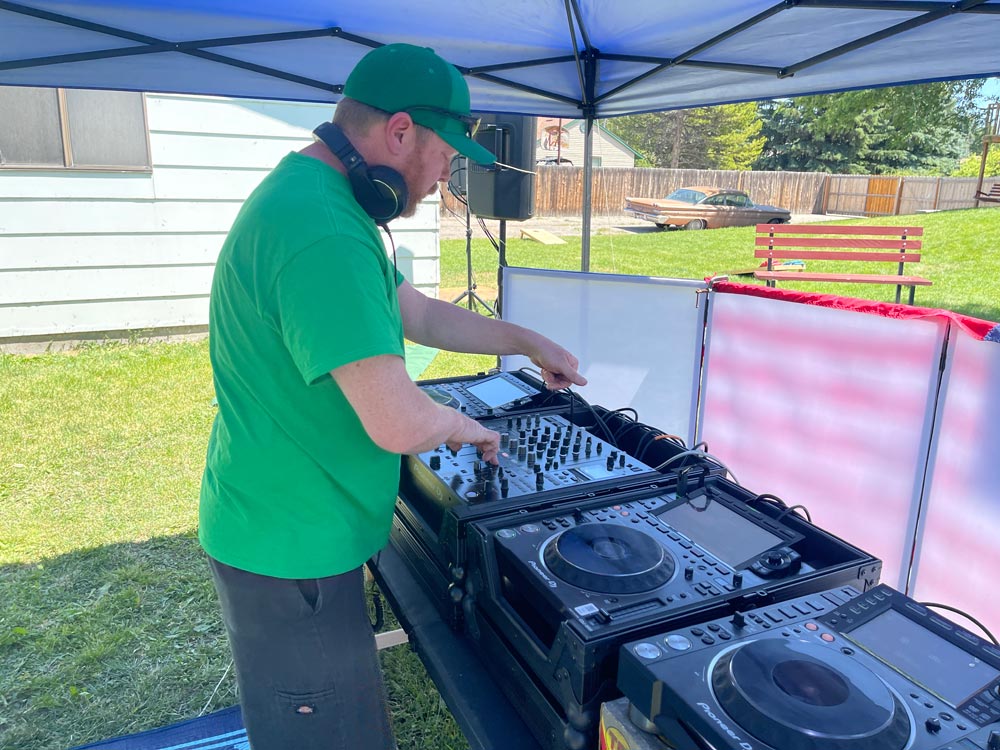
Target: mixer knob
737, 580
576, 454
539, 481
531, 459
522, 453
933, 724
504, 487
563, 452
504, 440
600, 447
611, 462
547, 429
621, 460
551, 452
738, 621
435, 463
993, 742
688, 572
510, 422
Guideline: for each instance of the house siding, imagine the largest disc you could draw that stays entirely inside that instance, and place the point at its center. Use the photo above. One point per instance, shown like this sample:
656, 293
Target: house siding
608, 151
84, 253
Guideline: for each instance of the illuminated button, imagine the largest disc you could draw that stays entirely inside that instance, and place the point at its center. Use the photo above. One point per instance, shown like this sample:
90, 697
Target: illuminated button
811, 626
827, 637
647, 651
506, 533
530, 528
678, 642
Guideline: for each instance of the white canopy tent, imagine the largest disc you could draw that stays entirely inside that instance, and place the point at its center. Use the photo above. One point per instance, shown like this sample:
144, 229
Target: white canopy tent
567, 58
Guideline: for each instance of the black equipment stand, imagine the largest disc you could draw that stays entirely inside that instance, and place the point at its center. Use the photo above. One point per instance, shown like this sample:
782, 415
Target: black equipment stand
482, 712
470, 294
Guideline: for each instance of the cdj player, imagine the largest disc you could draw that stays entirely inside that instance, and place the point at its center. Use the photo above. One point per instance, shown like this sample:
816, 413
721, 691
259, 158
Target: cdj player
498, 394
565, 587
836, 670
544, 459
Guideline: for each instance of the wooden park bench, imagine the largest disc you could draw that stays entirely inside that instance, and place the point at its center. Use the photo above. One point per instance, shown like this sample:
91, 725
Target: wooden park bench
782, 242
993, 196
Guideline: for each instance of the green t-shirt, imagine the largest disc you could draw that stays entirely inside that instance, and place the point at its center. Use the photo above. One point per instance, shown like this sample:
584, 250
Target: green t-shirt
293, 485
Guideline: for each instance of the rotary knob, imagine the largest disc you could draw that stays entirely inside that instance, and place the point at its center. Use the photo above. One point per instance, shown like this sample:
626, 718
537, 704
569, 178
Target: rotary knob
435, 463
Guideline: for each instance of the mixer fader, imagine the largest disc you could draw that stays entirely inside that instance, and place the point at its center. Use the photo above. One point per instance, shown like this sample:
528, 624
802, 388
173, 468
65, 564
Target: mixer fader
538, 453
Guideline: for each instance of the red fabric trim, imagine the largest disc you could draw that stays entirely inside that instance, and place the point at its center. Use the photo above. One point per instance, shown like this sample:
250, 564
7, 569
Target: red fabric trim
975, 327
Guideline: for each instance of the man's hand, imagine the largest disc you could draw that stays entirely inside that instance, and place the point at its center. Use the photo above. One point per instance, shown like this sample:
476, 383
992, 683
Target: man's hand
475, 434
558, 366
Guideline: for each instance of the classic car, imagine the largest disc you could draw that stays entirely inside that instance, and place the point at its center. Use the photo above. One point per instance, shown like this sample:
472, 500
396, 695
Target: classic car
705, 208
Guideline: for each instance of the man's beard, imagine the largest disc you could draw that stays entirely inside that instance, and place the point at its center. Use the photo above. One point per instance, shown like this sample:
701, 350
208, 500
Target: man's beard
412, 169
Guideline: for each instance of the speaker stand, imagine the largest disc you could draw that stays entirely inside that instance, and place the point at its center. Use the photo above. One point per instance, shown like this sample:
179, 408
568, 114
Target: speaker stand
470, 295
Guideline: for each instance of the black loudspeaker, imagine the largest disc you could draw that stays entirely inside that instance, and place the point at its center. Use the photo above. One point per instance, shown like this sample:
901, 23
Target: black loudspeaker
504, 192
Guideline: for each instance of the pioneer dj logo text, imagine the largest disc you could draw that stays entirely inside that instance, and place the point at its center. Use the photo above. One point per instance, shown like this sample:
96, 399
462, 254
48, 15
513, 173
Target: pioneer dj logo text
724, 727
552, 584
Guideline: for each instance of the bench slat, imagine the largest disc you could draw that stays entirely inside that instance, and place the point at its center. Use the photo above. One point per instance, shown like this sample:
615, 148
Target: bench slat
861, 278
764, 241
838, 229
832, 255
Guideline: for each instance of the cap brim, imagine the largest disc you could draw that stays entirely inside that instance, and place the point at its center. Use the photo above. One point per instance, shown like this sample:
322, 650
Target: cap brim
468, 147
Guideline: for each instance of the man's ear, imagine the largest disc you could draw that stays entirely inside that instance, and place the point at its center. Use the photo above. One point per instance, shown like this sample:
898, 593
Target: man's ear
400, 134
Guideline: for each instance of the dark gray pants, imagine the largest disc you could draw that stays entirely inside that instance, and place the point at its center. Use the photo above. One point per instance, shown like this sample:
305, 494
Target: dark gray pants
306, 665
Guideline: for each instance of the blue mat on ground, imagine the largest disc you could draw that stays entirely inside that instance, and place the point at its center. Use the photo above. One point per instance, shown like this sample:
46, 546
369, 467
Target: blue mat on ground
418, 357
222, 730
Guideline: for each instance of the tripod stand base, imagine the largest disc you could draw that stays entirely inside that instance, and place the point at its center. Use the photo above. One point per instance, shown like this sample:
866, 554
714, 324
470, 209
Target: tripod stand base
473, 300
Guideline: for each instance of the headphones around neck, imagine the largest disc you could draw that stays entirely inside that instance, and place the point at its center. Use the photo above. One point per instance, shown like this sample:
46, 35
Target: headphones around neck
379, 190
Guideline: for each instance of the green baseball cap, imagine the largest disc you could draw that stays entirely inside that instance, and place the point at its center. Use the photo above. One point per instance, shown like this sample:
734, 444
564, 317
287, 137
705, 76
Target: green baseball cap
415, 80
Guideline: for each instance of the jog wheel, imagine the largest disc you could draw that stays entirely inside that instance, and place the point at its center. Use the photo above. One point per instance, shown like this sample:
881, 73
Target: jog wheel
609, 558
442, 397
791, 694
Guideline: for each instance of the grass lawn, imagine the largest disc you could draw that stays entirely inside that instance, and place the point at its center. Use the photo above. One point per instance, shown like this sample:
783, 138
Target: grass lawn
961, 255
108, 619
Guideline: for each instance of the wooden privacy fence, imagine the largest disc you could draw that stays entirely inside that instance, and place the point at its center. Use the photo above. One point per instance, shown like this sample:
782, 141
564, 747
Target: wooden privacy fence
559, 190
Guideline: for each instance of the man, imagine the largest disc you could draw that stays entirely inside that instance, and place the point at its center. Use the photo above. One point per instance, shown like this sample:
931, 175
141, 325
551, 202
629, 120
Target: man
307, 322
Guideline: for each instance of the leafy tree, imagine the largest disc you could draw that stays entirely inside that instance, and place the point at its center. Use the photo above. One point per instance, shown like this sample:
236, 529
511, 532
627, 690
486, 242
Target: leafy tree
724, 137
904, 129
969, 166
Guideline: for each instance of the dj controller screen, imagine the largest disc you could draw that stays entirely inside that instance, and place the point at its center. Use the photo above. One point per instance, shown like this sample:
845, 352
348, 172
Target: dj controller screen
727, 535
941, 667
496, 392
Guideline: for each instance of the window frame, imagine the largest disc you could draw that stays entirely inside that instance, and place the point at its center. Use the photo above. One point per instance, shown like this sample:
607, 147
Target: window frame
67, 146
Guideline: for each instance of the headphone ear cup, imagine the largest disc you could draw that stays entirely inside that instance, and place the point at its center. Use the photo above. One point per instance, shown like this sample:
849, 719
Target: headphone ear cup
381, 191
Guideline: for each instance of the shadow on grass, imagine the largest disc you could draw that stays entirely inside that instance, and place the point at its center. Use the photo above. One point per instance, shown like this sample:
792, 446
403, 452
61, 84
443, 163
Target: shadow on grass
128, 637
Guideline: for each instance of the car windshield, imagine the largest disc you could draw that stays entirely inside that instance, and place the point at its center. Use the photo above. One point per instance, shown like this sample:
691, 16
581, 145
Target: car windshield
686, 195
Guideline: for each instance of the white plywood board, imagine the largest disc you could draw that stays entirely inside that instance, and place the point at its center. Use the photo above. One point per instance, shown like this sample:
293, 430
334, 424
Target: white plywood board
17, 184
111, 217
187, 150
110, 315
213, 115
827, 408
108, 250
638, 339
27, 287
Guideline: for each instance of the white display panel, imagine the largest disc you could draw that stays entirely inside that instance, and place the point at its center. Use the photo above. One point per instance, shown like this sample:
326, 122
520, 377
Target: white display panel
957, 555
638, 339
826, 408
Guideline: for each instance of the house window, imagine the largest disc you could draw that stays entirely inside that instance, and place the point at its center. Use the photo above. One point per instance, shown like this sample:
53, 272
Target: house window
73, 129
595, 160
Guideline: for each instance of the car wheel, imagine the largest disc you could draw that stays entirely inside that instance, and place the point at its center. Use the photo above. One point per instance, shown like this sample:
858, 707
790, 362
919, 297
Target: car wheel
776, 221
695, 224
662, 226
